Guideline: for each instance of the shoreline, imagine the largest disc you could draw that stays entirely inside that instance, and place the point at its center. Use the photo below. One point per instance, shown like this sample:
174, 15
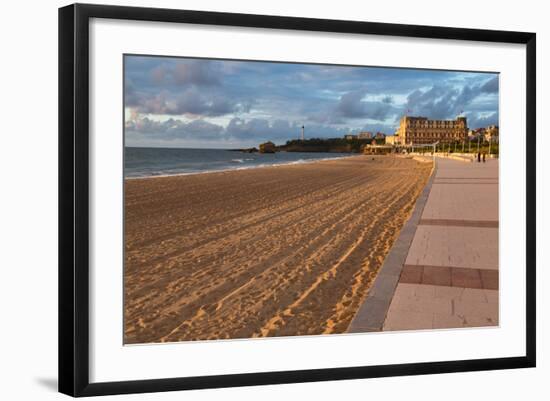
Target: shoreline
286, 251
290, 163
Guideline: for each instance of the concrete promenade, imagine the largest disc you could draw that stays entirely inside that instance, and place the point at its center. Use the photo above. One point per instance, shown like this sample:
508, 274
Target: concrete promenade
442, 272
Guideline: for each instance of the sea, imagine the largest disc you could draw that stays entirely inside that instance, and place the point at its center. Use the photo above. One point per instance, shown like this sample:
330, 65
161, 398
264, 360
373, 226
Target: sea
149, 162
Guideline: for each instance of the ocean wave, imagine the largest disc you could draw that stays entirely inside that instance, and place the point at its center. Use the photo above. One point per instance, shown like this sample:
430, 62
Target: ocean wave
159, 174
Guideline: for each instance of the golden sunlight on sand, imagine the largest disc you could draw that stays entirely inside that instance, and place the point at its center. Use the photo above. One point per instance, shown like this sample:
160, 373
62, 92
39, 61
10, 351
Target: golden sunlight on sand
275, 251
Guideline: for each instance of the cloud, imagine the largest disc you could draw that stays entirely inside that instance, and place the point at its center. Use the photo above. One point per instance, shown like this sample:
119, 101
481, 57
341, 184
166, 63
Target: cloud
172, 129
381, 127
191, 102
352, 105
187, 72
491, 86
278, 130
159, 75
197, 72
191, 88
255, 101
131, 97
446, 101
252, 131
437, 102
263, 129
477, 120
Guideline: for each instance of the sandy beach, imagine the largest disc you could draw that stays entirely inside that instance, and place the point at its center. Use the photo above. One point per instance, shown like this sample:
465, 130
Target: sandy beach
274, 251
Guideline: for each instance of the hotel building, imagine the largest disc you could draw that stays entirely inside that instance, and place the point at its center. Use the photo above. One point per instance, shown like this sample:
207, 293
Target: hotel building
419, 130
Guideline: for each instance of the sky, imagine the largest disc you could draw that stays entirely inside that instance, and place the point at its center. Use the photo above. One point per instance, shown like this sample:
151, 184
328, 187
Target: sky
205, 103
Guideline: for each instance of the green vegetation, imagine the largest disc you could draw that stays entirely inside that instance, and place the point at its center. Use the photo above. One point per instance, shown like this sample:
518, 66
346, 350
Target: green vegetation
356, 145
325, 145
267, 147
457, 147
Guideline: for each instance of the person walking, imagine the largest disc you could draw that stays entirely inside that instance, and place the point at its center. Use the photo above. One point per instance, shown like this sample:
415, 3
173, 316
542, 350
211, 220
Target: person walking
479, 157
484, 157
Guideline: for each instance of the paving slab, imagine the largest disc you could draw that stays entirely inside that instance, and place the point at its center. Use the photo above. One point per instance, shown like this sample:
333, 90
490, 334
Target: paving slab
462, 201
450, 276
453, 169
443, 270
420, 307
468, 247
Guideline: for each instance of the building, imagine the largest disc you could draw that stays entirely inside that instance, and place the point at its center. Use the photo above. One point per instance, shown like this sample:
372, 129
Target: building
491, 133
391, 140
365, 135
350, 137
418, 130
478, 132
379, 138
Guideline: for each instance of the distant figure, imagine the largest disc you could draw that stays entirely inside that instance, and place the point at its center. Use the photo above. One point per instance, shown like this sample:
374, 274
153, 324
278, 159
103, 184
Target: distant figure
484, 157
479, 157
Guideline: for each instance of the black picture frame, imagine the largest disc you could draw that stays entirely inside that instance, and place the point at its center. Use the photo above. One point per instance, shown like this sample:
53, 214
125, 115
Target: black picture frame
74, 198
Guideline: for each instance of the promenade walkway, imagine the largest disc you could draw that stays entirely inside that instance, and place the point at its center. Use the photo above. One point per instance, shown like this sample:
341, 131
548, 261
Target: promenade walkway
442, 272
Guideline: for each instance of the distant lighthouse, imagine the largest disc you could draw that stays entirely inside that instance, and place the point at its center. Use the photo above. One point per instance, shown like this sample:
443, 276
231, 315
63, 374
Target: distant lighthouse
303, 132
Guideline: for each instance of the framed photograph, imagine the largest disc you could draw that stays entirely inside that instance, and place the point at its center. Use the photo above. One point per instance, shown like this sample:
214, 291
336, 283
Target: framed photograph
250, 199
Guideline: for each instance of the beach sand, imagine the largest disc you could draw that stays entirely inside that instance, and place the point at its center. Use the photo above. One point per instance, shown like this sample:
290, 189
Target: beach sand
274, 251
